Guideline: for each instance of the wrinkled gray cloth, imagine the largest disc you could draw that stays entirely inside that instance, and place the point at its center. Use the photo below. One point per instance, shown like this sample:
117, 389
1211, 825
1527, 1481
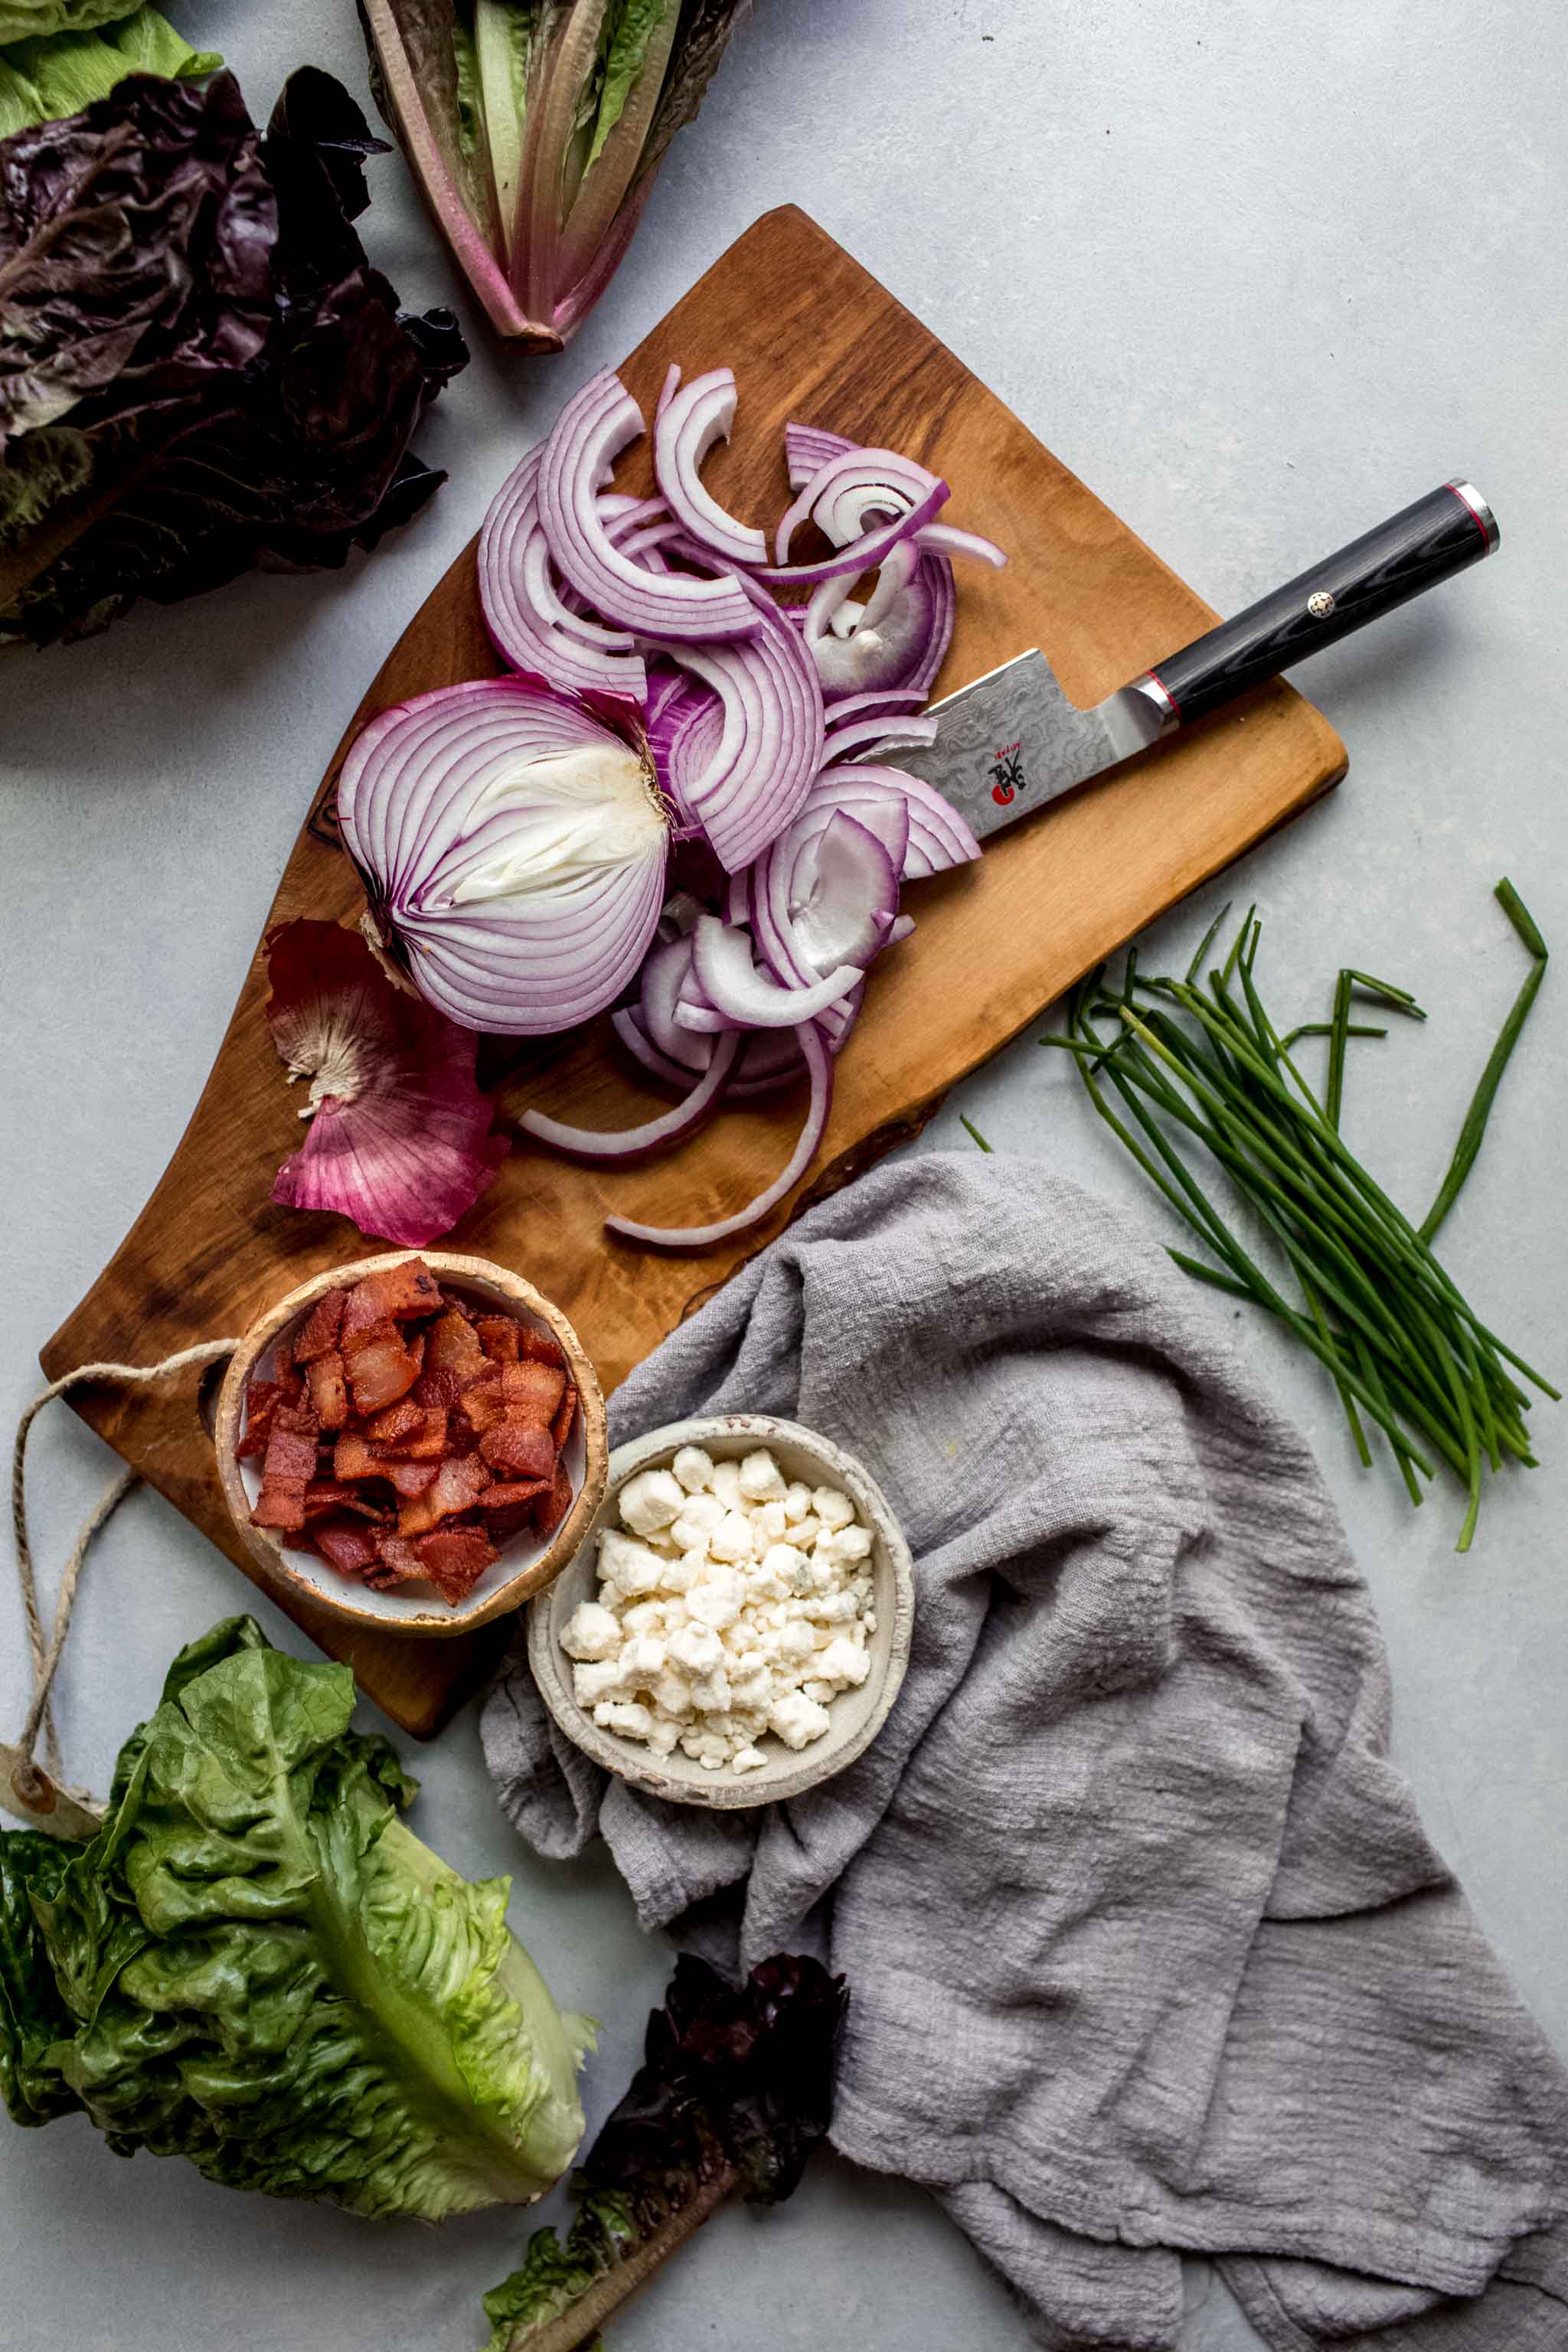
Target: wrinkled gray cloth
1148, 1951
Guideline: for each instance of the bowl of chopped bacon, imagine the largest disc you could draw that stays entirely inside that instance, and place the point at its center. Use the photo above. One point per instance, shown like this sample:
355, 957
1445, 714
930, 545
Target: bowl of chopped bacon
415, 1442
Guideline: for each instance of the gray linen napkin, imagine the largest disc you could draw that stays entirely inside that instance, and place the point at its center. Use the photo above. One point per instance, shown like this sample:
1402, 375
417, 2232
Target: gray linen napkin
1149, 1952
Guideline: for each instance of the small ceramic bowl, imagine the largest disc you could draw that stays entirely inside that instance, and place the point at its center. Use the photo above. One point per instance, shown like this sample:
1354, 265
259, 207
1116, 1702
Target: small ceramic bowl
857, 1715
526, 1564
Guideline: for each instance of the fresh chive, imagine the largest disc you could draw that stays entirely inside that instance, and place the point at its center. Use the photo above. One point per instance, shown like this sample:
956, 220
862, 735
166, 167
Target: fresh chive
1475, 1117
1197, 1065
973, 1131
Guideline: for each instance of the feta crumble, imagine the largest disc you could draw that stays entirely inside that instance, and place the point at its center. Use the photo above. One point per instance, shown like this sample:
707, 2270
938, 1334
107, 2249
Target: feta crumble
765, 1618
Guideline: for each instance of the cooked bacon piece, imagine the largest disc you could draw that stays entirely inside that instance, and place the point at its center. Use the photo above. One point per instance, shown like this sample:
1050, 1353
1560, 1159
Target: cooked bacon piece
350, 1548
456, 1486
291, 1456
280, 1504
380, 1374
324, 1494
329, 1389
454, 1347
320, 1328
506, 1494
396, 1561
514, 1452
352, 1458
483, 1403
406, 1433
398, 1294
549, 1512
261, 1404
454, 1558
428, 1444
531, 1392
437, 1389
412, 1477
401, 1420
499, 1337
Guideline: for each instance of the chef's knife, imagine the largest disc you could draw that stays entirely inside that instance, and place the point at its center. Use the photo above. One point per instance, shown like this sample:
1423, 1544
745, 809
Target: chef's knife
1012, 742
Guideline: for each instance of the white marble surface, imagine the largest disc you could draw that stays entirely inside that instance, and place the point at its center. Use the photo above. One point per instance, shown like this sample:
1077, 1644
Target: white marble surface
1261, 275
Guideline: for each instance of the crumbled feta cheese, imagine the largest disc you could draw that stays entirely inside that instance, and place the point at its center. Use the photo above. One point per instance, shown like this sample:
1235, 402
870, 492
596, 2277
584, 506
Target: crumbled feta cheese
650, 1500
697, 1648
628, 1566
726, 1484
626, 1715
591, 1632
715, 1599
592, 1683
760, 1480
833, 1509
693, 1468
732, 1538
764, 1589
844, 1662
770, 1523
797, 1719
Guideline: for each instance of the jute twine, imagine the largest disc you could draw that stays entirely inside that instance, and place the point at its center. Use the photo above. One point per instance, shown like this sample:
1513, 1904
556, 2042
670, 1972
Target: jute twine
26, 1780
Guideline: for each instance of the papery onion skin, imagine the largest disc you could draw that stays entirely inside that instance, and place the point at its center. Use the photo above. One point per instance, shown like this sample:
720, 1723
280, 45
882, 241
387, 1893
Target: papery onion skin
400, 1137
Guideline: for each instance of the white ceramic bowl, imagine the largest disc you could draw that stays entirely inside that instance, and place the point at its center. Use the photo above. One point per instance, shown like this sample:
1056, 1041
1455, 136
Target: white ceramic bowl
526, 1564
857, 1715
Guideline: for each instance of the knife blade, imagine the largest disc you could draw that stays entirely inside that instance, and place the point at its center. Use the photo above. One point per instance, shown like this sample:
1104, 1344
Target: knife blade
1011, 741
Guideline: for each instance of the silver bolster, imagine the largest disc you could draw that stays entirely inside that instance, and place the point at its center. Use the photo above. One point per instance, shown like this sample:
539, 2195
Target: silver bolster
1165, 711
1480, 508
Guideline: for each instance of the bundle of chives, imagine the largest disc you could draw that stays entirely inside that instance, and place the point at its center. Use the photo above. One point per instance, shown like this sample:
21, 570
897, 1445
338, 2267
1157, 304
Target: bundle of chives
1407, 1351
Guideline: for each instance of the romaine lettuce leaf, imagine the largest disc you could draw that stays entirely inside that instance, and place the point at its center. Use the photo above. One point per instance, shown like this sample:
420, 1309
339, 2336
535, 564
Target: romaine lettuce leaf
256, 1965
44, 80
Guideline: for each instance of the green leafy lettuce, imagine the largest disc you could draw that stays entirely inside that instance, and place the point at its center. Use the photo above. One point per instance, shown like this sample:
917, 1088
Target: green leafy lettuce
257, 1966
57, 74
535, 128
734, 2091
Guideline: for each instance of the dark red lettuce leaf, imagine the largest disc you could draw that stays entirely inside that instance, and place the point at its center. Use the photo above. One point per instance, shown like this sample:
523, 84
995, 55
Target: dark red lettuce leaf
734, 2091
200, 371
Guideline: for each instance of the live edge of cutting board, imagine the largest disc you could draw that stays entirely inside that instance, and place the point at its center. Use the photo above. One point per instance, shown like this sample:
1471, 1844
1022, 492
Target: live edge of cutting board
809, 335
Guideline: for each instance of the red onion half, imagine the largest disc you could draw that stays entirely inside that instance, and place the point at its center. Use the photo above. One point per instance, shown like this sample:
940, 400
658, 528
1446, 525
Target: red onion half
513, 849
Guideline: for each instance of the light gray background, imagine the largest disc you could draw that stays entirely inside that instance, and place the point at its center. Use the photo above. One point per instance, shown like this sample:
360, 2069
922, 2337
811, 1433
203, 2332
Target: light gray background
1261, 274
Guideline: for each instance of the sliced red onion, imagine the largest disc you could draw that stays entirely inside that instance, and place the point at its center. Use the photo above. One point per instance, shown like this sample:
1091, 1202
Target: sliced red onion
512, 846
664, 975
819, 1062
738, 992
850, 486
942, 539
863, 553
809, 448
888, 734
906, 649
668, 389
889, 699
588, 436
939, 837
845, 903
531, 626
770, 748
621, 516
700, 414
621, 1146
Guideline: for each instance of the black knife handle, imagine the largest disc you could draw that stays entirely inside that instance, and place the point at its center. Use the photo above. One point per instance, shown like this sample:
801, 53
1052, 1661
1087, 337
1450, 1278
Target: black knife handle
1439, 535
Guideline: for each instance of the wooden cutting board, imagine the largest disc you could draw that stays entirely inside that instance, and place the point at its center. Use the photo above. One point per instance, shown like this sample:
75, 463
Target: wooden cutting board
811, 336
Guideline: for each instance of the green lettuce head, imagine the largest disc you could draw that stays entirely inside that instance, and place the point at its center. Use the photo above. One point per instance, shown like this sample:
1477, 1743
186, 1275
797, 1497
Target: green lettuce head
257, 1966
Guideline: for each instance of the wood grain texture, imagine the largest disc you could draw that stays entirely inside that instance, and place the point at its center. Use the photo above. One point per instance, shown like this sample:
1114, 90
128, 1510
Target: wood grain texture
809, 335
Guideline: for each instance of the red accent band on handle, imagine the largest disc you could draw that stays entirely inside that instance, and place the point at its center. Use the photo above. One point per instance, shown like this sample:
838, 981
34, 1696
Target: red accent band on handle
1477, 518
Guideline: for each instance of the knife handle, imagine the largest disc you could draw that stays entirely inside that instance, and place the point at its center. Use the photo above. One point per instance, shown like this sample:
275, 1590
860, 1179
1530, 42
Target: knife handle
1440, 534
